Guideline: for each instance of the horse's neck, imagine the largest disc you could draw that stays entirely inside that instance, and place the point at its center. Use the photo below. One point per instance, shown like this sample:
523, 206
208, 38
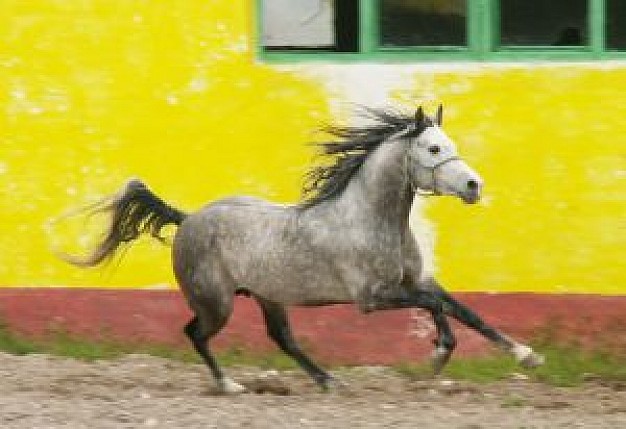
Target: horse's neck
380, 192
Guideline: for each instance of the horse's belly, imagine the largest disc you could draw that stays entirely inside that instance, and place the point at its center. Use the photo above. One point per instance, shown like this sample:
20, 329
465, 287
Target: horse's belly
286, 283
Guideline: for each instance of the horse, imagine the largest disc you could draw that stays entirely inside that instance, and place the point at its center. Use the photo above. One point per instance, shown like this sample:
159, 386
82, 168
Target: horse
346, 241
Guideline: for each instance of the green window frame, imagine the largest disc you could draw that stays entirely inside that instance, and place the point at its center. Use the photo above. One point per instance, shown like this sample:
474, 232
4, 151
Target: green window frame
483, 26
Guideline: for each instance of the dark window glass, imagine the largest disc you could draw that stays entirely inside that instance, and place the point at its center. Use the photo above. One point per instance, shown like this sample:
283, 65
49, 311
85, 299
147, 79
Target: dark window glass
423, 22
311, 25
616, 24
543, 22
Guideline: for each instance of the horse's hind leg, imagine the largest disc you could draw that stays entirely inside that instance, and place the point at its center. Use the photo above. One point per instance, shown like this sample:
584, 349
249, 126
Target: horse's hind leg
202, 327
278, 329
523, 353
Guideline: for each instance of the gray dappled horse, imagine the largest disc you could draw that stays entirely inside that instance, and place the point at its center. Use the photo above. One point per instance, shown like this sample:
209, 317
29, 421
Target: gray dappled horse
348, 241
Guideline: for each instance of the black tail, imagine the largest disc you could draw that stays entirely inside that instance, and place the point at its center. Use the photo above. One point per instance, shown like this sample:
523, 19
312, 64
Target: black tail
134, 211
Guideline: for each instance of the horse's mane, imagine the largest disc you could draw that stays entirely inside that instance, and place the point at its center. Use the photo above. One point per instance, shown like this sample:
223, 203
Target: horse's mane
351, 148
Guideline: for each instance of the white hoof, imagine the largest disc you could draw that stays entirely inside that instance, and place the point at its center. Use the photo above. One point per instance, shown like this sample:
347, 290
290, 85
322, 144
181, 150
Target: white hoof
440, 352
533, 360
526, 357
440, 357
230, 387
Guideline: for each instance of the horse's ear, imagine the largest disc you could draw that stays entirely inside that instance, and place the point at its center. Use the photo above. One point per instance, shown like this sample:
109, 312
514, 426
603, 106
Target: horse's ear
439, 115
419, 115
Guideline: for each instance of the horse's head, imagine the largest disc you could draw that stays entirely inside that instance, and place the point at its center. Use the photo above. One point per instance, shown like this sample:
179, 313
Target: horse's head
433, 163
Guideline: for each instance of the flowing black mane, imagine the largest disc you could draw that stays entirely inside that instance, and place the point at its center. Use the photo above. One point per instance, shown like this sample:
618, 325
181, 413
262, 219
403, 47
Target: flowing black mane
351, 149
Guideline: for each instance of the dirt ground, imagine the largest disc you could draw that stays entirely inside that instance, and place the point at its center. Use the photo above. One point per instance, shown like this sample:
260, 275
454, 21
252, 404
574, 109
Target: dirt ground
138, 391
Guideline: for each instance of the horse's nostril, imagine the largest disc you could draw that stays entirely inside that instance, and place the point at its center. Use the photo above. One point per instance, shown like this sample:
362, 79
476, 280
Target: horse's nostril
472, 185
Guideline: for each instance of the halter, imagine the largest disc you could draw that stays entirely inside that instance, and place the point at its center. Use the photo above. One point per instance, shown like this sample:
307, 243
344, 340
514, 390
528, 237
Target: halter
411, 128
434, 176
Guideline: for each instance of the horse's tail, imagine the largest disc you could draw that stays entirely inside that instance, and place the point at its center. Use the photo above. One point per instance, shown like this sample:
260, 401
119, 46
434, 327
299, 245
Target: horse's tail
134, 210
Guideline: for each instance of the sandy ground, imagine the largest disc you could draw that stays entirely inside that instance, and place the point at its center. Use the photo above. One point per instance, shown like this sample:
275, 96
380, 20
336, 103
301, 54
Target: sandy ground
139, 391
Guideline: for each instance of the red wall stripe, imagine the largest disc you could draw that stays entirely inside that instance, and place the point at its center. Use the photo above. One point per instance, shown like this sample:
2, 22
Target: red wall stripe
337, 334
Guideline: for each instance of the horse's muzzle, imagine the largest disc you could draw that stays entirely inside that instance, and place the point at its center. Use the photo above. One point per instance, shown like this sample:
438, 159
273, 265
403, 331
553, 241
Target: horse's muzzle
472, 192
470, 199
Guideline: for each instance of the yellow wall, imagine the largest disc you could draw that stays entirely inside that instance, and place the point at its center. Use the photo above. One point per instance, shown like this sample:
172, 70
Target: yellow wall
550, 145
94, 92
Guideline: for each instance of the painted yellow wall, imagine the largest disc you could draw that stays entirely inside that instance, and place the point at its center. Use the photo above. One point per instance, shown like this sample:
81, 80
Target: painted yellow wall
93, 92
550, 144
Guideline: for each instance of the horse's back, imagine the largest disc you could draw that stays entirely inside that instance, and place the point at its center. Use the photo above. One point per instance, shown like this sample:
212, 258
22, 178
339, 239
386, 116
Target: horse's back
230, 218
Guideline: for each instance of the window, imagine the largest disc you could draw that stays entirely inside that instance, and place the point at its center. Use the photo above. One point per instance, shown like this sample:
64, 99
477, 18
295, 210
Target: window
422, 23
616, 25
543, 23
354, 30
330, 25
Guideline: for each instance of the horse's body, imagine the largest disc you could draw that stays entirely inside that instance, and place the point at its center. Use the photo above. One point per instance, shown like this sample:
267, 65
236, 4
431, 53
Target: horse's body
280, 262
349, 242
327, 253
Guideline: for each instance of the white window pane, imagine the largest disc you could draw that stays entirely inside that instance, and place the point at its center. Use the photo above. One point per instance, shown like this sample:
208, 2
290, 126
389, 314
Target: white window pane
298, 23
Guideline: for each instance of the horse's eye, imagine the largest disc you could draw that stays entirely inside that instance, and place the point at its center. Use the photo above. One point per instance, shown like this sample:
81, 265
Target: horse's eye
434, 150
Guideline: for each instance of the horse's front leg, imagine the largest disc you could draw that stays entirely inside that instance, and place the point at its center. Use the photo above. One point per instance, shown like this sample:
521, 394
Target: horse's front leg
402, 297
523, 353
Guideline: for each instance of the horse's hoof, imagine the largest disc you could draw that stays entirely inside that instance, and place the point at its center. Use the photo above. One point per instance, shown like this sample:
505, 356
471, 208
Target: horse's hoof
533, 360
332, 384
440, 358
526, 357
229, 387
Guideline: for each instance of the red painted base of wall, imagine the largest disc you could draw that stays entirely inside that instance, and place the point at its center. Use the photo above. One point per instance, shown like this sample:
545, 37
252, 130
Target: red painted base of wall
336, 334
